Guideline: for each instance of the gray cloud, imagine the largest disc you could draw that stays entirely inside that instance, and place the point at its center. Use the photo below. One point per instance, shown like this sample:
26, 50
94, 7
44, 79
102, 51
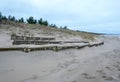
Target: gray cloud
88, 15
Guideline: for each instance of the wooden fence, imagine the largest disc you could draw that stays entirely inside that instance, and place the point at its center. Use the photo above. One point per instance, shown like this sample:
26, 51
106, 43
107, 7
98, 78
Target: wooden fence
55, 47
17, 40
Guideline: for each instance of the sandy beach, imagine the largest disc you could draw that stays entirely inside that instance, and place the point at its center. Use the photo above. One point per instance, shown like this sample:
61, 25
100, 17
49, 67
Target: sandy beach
95, 64
59, 40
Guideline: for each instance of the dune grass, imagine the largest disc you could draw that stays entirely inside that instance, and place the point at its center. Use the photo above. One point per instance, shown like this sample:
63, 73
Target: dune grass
51, 30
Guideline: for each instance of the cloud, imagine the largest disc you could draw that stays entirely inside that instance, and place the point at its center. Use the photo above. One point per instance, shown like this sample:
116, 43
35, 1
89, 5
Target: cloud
77, 14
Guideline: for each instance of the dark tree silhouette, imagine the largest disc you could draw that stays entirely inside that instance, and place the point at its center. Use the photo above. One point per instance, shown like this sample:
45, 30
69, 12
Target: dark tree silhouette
11, 18
31, 20
45, 23
40, 21
21, 20
0, 17
4, 18
65, 27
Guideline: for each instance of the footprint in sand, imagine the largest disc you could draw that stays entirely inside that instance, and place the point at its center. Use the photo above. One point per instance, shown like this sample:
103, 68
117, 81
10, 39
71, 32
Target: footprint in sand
108, 78
104, 76
87, 76
101, 72
116, 66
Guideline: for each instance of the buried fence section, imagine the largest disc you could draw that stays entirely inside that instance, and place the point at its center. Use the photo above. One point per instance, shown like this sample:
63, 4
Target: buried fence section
17, 40
38, 42
96, 44
30, 38
58, 45
52, 47
11, 49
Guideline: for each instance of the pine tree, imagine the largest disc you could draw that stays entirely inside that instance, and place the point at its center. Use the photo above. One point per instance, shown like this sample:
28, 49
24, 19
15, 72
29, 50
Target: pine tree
21, 20
9, 17
13, 19
0, 16
4, 18
45, 23
31, 20
65, 27
40, 21
35, 21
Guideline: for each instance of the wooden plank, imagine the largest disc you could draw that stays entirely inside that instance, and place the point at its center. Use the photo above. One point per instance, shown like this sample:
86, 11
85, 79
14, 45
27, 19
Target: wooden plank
31, 38
55, 47
95, 44
40, 42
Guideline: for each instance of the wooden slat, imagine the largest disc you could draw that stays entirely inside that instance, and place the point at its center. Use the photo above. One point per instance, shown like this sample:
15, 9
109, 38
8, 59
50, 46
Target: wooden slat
31, 38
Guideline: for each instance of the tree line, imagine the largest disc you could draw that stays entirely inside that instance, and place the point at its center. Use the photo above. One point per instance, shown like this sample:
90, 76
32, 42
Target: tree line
30, 20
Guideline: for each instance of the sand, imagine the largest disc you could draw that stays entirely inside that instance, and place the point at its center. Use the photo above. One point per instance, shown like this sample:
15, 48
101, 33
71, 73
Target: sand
94, 64
89, 64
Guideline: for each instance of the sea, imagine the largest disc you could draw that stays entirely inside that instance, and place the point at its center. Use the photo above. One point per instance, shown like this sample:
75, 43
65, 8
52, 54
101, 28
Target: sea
116, 35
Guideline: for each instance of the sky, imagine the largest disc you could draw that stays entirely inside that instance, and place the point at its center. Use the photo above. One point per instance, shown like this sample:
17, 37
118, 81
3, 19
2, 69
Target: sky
102, 16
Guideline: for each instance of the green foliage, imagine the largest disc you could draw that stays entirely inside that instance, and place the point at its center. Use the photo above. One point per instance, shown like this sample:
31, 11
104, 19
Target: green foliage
42, 22
11, 18
0, 15
31, 20
21, 20
45, 23
4, 18
53, 25
35, 21
65, 27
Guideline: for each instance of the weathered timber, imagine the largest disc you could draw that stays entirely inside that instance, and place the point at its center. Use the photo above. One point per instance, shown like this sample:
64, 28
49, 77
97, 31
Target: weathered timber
54, 47
75, 41
17, 40
38, 42
91, 44
10, 48
13, 37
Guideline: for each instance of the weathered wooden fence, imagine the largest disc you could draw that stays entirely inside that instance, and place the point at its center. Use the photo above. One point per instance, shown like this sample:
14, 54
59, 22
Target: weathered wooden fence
50, 42
55, 47
17, 40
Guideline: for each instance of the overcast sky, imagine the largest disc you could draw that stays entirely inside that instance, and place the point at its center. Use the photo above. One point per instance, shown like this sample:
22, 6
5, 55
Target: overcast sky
86, 15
